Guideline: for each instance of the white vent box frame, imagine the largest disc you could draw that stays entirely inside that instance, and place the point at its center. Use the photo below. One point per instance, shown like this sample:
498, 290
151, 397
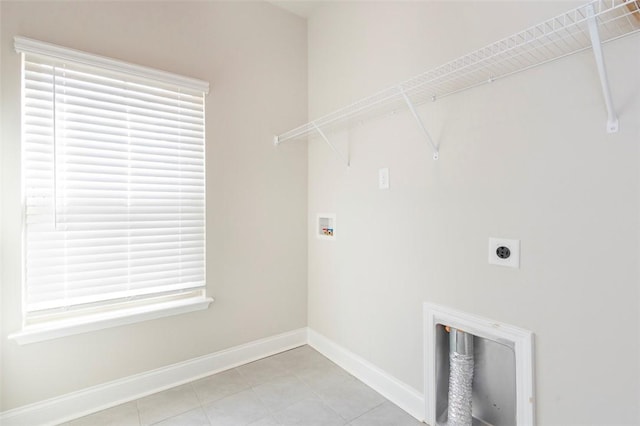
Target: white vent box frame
325, 228
496, 342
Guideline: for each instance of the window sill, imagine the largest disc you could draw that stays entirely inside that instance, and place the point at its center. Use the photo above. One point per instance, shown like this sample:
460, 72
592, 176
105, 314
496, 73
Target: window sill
67, 327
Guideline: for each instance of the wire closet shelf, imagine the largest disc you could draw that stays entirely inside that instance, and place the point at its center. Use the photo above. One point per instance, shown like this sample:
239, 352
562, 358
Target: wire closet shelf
548, 41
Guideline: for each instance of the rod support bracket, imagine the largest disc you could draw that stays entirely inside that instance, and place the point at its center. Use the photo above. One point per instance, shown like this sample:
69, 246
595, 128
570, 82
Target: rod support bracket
612, 126
276, 140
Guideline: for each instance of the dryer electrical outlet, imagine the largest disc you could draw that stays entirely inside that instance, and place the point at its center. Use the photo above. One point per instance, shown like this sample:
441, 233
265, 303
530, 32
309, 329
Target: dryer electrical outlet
504, 252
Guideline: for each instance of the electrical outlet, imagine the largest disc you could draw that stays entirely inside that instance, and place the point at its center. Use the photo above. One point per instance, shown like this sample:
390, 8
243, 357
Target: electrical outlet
383, 178
504, 252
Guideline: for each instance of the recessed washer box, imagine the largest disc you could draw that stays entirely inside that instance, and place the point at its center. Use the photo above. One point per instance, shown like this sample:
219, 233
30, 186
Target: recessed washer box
504, 252
326, 226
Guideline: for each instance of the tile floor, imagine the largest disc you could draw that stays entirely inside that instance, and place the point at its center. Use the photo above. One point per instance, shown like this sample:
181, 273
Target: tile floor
297, 387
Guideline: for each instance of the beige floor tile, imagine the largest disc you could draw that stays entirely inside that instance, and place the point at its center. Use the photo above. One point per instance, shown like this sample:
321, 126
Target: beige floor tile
322, 377
195, 417
301, 358
386, 414
266, 421
283, 391
351, 398
309, 412
263, 370
120, 415
220, 385
239, 409
169, 403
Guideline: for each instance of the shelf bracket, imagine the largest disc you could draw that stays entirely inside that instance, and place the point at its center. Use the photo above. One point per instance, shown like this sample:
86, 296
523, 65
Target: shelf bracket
345, 159
612, 119
420, 123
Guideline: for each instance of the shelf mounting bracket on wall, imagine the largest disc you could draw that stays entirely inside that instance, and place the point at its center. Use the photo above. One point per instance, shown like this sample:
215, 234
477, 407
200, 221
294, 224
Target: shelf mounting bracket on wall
344, 158
612, 119
420, 123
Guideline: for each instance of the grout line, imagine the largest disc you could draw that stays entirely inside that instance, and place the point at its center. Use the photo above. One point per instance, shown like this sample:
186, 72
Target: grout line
138, 412
368, 411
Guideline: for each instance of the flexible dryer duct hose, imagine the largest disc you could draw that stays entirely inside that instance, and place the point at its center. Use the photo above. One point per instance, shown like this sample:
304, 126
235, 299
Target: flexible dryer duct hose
460, 378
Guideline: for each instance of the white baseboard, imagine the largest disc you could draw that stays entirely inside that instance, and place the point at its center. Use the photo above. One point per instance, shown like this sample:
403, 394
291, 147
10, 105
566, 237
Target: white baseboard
401, 394
76, 404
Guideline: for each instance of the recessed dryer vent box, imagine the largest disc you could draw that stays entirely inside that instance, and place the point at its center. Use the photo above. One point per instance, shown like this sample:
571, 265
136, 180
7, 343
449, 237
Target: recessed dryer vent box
326, 226
501, 388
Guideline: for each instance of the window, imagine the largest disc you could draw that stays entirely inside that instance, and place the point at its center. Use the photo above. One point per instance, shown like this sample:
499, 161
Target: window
113, 188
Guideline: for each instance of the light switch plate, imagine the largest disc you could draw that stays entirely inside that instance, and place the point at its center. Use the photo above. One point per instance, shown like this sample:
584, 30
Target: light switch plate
383, 178
504, 252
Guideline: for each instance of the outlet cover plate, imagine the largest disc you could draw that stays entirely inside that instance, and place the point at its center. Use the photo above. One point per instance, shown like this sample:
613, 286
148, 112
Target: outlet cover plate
498, 245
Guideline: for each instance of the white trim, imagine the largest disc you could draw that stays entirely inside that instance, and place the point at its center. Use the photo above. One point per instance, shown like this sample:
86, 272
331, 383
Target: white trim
483, 327
27, 45
77, 404
82, 324
401, 394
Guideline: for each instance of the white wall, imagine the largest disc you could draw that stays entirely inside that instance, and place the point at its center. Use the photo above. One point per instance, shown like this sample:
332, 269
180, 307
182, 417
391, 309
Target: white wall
255, 57
1, 221
525, 158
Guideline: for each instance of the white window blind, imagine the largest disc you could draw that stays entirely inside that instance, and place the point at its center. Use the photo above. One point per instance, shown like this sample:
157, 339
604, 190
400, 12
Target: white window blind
113, 180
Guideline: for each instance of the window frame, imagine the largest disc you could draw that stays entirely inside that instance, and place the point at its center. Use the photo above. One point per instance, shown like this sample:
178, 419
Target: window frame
65, 322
